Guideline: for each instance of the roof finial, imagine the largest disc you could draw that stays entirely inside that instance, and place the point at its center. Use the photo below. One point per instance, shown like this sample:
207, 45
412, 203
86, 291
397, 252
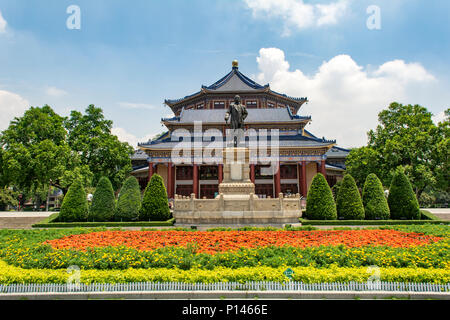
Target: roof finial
235, 64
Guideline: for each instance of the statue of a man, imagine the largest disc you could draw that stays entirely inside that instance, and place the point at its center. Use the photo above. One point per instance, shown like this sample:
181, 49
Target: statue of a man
237, 112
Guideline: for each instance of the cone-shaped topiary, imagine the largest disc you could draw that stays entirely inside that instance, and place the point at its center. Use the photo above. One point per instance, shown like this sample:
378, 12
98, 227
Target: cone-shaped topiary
375, 203
103, 202
319, 202
75, 206
129, 201
402, 200
348, 203
155, 206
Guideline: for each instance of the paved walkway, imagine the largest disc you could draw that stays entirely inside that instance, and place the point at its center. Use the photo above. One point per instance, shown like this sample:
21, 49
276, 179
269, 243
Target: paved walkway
443, 214
21, 220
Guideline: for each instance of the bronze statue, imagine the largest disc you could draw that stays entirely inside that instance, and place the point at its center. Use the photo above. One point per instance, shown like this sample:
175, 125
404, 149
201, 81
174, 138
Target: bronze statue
237, 112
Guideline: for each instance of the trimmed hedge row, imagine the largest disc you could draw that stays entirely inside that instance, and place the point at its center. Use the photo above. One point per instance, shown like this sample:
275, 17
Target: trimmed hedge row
50, 224
307, 222
130, 205
12, 275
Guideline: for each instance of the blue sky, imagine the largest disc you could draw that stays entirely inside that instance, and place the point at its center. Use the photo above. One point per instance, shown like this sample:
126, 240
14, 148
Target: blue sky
129, 56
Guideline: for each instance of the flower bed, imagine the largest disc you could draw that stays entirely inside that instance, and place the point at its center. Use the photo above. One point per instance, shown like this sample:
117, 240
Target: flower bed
220, 241
403, 253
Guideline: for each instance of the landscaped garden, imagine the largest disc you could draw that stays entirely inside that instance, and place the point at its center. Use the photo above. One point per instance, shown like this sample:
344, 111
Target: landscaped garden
403, 254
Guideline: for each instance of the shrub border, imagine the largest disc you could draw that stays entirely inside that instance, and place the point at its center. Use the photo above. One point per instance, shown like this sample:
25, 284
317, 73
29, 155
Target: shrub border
307, 222
47, 223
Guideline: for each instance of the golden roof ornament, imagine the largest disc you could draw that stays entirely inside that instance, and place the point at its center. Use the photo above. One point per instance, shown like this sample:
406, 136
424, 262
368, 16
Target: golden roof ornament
235, 64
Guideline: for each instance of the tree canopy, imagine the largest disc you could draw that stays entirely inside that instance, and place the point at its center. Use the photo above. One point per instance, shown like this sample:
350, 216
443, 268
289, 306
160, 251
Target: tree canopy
406, 137
90, 136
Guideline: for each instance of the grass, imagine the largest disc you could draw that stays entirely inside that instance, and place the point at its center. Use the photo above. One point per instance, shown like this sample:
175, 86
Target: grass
51, 222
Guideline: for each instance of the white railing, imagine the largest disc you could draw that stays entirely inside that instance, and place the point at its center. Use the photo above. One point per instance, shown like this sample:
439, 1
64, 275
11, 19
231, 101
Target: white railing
226, 286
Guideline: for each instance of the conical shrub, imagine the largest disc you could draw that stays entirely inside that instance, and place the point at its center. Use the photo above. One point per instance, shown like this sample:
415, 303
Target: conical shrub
103, 202
155, 205
319, 202
75, 206
402, 199
129, 201
349, 204
375, 203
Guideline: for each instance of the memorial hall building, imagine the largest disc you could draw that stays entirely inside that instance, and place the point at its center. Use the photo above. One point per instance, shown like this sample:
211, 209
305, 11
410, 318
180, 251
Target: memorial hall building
301, 154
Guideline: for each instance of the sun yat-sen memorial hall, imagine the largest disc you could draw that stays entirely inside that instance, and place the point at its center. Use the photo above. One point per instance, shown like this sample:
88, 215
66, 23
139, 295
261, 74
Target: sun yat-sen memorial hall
301, 154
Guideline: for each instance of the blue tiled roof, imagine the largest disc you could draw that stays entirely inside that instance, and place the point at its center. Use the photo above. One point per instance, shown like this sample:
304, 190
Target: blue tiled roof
235, 71
284, 141
218, 116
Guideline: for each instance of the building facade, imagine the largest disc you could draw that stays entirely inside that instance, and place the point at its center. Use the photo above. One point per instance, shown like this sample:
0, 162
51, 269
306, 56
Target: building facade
301, 154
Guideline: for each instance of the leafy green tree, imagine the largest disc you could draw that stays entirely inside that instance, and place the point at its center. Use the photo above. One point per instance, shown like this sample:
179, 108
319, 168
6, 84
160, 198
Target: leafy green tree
74, 207
35, 152
90, 136
129, 201
319, 202
155, 205
402, 200
349, 204
103, 202
406, 137
8, 197
375, 203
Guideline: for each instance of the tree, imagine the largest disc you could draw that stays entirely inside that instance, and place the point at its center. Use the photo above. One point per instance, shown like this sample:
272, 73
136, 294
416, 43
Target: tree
129, 201
8, 197
74, 207
319, 202
103, 202
363, 161
35, 153
349, 204
375, 203
90, 136
155, 205
406, 137
402, 200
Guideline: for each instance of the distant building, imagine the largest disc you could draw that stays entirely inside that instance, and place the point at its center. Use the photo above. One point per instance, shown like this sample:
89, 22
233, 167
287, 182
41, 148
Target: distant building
301, 154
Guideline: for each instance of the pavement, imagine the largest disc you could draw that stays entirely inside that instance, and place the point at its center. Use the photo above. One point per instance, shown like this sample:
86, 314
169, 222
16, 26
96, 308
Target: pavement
24, 220
21, 220
442, 213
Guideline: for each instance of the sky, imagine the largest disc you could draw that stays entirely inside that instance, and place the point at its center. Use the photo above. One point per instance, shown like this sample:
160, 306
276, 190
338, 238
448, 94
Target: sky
351, 58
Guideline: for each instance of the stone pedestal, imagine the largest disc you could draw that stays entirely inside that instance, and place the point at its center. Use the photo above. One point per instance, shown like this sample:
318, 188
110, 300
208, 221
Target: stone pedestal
237, 203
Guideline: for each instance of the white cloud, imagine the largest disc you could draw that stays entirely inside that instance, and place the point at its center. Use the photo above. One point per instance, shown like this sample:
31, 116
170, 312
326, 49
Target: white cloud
55, 92
133, 105
125, 136
345, 98
296, 14
440, 117
11, 105
3, 24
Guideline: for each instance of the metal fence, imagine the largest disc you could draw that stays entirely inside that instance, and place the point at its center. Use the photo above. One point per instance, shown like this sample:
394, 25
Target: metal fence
226, 286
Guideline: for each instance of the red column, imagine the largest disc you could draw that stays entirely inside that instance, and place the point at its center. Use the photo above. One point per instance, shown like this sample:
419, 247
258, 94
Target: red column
169, 180
303, 183
195, 180
252, 173
277, 181
173, 181
323, 169
220, 173
150, 170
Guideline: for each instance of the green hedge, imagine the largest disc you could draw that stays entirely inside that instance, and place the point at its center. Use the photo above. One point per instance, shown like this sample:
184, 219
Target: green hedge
75, 206
402, 199
42, 224
368, 222
375, 203
155, 206
349, 204
129, 201
103, 202
320, 202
